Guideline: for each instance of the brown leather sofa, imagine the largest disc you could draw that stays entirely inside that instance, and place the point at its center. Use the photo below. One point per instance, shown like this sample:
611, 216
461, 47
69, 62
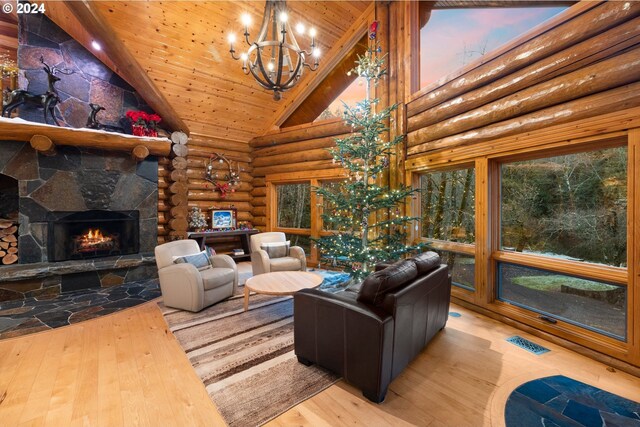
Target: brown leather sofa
369, 337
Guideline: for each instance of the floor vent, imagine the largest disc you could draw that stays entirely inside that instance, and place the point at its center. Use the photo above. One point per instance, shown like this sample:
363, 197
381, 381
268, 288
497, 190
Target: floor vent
454, 314
527, 345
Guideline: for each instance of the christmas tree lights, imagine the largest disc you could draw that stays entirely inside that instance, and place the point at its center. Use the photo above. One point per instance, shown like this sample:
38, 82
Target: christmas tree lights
365, 218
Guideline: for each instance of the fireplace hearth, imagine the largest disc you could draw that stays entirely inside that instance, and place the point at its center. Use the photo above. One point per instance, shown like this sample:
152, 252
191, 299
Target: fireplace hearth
92, 234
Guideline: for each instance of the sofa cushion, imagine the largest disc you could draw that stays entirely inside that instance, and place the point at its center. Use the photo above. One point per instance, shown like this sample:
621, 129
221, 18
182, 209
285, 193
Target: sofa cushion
216, 277
285, 264
426, 262
200, 260
378, 284
276, 249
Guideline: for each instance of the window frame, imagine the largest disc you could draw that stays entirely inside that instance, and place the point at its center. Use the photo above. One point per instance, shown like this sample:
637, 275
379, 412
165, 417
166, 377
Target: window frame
315, 179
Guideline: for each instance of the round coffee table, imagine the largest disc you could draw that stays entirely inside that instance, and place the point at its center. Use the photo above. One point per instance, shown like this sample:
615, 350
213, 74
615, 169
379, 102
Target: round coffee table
280, 283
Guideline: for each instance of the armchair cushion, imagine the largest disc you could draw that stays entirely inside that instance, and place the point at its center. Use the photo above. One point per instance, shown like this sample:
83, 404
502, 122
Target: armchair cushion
276, 249
285, 264
199, 260
216, 277
378, 284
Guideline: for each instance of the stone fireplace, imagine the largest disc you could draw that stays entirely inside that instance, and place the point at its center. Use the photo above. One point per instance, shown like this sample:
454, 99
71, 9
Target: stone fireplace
85, 218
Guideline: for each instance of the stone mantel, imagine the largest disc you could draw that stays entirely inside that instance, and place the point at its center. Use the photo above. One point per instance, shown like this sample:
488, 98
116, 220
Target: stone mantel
21, 130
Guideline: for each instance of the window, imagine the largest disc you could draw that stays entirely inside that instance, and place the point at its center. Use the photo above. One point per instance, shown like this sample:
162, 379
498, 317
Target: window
452, 38
294, 205
294, 208
448, 207
353, 94
591, 304
567, 213
572, 207
447, 220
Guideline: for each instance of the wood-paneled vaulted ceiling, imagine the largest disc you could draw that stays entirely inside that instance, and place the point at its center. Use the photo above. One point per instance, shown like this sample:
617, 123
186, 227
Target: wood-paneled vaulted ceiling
183, 47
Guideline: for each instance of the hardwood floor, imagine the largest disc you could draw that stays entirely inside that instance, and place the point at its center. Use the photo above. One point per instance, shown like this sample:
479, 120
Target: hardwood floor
127, 369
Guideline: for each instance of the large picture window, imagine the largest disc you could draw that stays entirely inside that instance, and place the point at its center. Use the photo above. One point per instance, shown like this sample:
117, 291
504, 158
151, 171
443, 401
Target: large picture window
294, 205
571, 207
479, 31
568, 214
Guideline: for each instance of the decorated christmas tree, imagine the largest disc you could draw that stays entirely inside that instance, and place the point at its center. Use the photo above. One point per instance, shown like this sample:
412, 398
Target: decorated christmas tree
365, 216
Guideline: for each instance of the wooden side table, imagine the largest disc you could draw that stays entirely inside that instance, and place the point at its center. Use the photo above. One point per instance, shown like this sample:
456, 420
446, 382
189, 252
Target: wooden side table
205, 237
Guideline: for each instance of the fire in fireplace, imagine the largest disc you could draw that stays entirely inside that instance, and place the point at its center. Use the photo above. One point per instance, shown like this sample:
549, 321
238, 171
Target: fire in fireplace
94, 241
91, 234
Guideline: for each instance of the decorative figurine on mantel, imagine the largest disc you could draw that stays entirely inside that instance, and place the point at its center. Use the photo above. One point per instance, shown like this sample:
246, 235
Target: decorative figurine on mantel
93, 123
197, 219
46, 101
227, 179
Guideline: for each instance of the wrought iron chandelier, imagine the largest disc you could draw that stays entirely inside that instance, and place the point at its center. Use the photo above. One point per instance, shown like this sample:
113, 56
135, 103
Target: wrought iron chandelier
275, 59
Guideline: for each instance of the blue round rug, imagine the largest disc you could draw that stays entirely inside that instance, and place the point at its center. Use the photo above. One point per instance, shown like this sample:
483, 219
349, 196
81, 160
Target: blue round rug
560, 401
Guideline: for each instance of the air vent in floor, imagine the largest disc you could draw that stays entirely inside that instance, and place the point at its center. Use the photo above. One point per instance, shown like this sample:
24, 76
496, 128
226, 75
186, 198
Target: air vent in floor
527, 345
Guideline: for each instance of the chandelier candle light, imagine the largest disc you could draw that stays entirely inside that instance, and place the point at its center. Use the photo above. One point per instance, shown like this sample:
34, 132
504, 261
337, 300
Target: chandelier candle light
275, 59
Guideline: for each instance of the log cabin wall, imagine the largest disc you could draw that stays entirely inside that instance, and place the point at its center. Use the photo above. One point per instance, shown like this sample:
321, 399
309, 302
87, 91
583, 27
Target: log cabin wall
581, 67
173, 206
300, 148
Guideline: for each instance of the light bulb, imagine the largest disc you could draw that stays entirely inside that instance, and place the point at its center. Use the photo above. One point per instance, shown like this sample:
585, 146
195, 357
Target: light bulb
96, 45
316, 52
283, 17
270, 66
245, 19
300, 28
244, 56
313, 32
231, 38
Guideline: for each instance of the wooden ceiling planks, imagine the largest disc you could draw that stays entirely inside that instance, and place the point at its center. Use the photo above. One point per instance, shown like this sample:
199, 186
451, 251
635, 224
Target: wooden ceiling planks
183, 48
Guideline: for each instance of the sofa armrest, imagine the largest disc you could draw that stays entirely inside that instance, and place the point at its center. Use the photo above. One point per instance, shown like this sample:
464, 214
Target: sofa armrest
225, 261
260, 262
346, 337
298, 252
182, 287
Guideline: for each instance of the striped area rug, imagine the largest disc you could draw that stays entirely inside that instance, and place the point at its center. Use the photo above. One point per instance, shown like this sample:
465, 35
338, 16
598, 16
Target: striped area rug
246, 359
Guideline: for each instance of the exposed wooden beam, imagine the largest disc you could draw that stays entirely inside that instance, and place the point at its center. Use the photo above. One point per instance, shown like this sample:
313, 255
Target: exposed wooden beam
45, 138
89, 25
329, 61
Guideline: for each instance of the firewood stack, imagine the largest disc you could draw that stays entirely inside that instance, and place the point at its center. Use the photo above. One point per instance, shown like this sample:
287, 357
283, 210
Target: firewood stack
178, 187
8, 241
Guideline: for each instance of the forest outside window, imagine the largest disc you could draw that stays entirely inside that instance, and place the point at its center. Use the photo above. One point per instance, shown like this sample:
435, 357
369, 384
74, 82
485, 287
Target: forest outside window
563, 219
294, 205
447, 220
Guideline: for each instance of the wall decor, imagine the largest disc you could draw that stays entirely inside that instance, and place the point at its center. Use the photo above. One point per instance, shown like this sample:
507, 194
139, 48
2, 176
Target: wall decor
47, 100
223, 181
223, 219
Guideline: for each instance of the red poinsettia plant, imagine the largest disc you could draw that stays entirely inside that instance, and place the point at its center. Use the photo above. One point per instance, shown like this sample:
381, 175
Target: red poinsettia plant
143, 124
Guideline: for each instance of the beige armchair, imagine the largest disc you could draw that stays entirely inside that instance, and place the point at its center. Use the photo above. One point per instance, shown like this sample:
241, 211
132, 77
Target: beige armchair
261, 263
183, 286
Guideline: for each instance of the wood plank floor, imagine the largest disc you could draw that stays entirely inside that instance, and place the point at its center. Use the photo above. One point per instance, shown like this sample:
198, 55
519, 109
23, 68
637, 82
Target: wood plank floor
127, 369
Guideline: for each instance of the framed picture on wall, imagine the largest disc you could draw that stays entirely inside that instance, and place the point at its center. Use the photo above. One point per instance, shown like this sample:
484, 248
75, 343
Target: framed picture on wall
223, 219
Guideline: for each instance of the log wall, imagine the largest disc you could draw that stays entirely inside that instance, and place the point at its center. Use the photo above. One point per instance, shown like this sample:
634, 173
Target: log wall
185, 175
295, 149
582, 67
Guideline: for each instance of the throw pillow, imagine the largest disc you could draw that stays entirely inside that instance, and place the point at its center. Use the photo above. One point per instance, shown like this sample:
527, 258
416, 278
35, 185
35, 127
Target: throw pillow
276, 249
426, 262
199, 260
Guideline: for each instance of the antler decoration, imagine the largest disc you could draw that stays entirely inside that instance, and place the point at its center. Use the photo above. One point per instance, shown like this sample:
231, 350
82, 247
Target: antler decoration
55, 70
227, 180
